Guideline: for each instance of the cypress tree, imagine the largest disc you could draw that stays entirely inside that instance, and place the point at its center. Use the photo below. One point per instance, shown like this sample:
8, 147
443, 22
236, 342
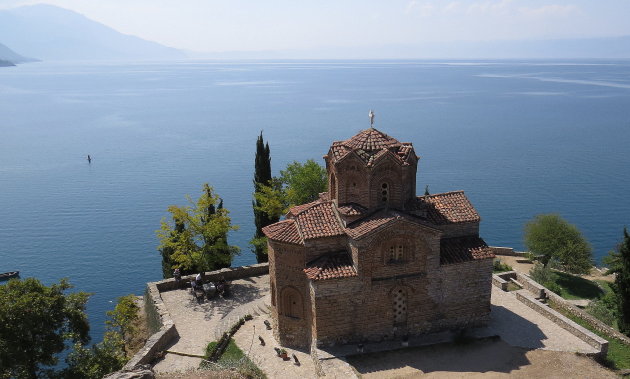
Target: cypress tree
622, 284
262, 177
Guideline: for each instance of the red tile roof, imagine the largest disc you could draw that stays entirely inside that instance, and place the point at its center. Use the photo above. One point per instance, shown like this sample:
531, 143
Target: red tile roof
331, 266
293, 211
448, 208
463, 249
367, 225
370, 140
319, 221
284, 231
369, 145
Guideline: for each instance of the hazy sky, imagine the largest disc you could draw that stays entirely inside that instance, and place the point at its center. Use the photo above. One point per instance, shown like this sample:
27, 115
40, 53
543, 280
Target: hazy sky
228, 25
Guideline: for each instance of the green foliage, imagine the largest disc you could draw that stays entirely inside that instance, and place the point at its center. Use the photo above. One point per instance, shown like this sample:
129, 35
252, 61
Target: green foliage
262, 177
233, 359
304, 182
550, 236
618, 356
541, 274
575, 287
298, 184
196, 240
622, 283
498, 266
110, 354
604, 309
36, 322
554, 287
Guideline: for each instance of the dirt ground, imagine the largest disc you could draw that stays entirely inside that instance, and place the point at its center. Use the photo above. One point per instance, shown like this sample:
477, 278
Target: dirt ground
478, 359
522, 265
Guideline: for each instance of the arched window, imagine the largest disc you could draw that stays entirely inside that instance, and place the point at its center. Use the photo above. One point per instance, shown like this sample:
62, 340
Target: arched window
291, 303
397, 251
399, 302
384, 193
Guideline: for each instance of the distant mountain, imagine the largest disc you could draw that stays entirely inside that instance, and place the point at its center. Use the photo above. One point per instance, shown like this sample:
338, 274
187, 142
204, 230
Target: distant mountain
11, 56
53, 33
4, 63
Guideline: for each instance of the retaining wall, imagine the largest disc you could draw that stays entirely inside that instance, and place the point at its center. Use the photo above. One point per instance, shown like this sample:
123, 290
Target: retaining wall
558, 301
160, 321
500, 250
582, 333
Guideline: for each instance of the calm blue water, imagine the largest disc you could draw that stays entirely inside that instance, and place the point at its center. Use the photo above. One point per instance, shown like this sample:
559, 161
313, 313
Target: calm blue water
521, 138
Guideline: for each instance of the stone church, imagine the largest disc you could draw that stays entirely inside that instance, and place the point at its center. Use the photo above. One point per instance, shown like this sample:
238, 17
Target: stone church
369, 260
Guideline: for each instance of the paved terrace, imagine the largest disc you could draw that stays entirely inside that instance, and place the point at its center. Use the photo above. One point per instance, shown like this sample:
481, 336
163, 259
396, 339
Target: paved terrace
199, 324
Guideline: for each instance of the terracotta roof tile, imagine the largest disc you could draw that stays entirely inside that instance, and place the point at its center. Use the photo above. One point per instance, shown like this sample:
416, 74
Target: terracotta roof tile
295, 210
366, 225
319, 221
331, 266
284, 231
369, 145
448, 208
463, 249
370, 140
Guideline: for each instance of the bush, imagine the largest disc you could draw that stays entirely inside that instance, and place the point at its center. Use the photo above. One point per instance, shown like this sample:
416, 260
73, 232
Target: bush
542, 274
554, 287
498, 266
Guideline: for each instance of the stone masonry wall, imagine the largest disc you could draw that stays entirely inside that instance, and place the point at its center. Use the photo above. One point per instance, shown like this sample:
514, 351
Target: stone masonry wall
464, 296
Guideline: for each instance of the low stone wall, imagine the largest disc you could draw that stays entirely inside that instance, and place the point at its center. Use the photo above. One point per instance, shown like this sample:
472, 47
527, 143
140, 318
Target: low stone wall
582, 333
559, 302
527, 283
230, 273
160, 321
158, 318
498, 281
500, 250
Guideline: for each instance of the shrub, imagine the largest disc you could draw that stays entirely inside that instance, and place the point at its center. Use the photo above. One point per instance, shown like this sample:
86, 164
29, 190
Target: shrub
498, 266
554, 287
542, 274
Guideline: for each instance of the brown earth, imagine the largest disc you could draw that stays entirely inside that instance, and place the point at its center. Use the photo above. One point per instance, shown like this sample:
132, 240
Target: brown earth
479, 359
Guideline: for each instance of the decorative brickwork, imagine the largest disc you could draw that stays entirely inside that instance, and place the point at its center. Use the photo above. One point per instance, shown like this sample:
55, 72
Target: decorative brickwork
370, 260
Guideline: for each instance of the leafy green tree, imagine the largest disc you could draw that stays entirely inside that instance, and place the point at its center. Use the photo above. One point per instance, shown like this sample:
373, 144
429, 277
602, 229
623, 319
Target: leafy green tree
36, 322
304, 182
110, 354
262, 177
197, 240
550, 236
298, 184
621, 267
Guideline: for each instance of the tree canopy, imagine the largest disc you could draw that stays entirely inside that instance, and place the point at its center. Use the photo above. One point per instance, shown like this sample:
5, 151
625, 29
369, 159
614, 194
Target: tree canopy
619, 263
262, 177
197, 238
551, 237
36, 322
298, 184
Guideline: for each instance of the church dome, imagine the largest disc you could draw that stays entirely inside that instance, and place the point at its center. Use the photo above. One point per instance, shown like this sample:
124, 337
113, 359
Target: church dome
369, 144
371, 140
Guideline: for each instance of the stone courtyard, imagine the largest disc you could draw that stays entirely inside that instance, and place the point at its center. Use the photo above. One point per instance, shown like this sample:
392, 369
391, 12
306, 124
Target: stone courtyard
517, 325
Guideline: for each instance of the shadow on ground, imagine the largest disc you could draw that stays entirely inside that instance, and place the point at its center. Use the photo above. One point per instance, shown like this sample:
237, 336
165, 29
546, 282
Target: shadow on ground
478, 356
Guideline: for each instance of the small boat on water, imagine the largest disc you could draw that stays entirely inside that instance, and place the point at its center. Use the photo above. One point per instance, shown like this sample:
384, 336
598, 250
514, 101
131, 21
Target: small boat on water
9, 275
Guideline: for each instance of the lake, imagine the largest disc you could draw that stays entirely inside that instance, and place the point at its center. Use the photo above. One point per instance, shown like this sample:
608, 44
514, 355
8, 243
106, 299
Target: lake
519, 137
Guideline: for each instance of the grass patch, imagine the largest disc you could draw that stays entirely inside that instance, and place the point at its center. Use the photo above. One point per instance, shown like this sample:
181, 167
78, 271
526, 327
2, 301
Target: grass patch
574, 287
512, 287
618, 352
498, 266
233, 359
